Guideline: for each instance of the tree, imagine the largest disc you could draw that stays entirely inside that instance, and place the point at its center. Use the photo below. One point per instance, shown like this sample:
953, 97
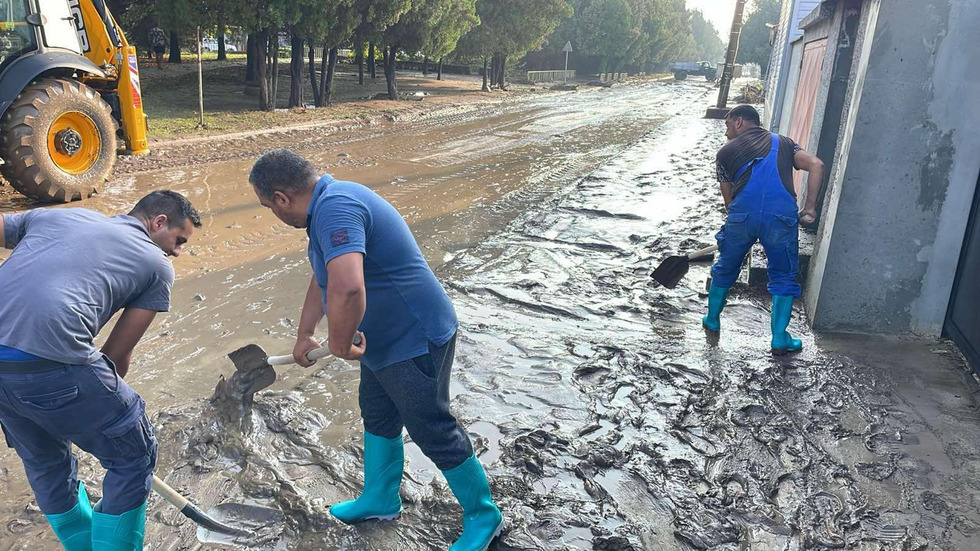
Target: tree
263, 18
376, 17
753, 47
709, 44
608, 29
458, 17
512, 28
327, 22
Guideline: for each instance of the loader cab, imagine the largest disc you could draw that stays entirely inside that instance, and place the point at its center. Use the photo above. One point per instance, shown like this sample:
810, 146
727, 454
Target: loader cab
26, 27
17, 36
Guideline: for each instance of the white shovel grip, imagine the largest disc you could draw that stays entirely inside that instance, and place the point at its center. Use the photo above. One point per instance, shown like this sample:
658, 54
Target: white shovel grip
312, 355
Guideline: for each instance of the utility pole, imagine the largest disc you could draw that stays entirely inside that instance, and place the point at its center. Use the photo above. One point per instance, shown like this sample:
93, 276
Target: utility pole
720, 110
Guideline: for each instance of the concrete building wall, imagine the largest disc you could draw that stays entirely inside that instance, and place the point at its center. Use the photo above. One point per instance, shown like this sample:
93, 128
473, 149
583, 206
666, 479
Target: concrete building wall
905, 171
792, 81
775, 76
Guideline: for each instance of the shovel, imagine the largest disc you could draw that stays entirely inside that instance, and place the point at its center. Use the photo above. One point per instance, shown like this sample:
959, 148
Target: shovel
252, 360
254, 515
671, 271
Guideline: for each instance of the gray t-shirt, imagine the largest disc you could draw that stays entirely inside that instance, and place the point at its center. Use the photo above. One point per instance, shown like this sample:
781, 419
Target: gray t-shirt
69, 272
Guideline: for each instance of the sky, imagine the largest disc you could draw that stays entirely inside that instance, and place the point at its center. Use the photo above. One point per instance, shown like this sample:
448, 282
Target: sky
718, 12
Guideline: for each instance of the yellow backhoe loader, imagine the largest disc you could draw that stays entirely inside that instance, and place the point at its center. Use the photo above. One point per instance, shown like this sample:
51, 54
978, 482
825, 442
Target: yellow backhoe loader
70, 97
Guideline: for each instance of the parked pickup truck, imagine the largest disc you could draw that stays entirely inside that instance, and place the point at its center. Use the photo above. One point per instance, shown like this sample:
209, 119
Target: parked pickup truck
682, 69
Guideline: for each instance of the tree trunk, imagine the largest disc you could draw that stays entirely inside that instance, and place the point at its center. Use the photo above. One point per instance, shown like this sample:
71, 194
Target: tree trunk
486, 76
313, 81
275, 69
389, 54
331, 70
502, 72
439, 75
250, 58
261, 47
296, 73
425, 67
324, 62
222, 55
494, 71
359, 57
372, 62
174, 47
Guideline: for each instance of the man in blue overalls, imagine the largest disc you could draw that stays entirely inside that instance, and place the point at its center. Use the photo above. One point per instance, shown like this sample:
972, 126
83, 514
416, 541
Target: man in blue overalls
755, 169
372, 282
70, 271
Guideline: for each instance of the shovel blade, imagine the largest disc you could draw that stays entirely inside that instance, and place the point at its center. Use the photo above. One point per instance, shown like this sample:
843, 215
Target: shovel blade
259, 525
671, 271
249, 357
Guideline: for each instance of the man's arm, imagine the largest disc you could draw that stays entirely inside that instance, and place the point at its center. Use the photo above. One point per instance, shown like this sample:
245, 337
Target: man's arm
308, 320
726, 193
3, 237
129, 329
346, 302
803, 160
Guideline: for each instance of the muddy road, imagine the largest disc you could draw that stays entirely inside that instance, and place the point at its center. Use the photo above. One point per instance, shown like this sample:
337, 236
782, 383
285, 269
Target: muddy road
606, 418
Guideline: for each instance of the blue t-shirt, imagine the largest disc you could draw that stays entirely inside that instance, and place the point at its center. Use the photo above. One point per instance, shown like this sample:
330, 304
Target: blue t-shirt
69, 272
407, 308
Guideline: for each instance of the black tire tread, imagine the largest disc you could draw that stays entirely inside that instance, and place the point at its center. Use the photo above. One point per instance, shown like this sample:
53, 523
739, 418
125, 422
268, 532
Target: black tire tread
23, 169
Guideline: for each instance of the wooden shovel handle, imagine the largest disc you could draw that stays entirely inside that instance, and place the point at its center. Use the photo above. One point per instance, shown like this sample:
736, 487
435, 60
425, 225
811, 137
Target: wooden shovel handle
312, 355
703, 252
166, 492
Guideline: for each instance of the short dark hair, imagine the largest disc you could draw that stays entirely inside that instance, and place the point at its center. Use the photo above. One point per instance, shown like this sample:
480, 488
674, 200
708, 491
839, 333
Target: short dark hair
746, 113
282, 170
170, 203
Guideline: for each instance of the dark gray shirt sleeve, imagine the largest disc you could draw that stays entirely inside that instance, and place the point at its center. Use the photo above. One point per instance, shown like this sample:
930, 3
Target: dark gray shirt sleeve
15, 226
156, 295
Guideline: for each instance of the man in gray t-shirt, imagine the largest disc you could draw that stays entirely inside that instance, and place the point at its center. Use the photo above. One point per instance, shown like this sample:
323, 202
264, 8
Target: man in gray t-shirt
70, 271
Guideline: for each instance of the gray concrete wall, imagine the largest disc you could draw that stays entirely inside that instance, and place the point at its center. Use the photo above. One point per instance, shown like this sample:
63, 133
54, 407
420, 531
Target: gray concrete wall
792, 81
905, 173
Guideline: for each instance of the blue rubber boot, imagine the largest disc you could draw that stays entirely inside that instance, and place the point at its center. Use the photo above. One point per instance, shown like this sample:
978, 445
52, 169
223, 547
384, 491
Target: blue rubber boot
74, 528
782, 341
482, 520
383, 462
716, 303
119, 532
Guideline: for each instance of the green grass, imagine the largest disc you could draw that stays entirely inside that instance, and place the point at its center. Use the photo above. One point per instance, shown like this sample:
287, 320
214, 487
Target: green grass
171, 97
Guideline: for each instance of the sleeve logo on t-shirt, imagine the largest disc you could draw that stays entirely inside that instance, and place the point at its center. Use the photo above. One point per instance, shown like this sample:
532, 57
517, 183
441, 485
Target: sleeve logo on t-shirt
339, 238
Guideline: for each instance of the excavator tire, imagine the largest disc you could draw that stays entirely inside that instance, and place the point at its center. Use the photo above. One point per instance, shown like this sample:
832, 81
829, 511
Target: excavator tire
58, 141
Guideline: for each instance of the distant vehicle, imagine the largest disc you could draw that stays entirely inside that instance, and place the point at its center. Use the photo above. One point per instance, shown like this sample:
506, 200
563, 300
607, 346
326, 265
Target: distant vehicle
682, 69
211, 45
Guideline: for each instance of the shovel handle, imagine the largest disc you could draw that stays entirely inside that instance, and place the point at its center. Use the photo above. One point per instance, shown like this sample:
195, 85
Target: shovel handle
166, 492
312, 355
703, 252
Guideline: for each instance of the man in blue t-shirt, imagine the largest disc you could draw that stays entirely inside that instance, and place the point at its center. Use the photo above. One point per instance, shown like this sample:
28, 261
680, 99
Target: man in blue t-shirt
70, 271
374, 285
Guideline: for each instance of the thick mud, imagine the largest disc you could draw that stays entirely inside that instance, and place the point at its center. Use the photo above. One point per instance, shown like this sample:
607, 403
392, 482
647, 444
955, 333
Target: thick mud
606, 417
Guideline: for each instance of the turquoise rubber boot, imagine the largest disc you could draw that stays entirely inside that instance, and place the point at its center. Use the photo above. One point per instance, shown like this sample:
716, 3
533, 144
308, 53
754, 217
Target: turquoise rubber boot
74, 528
119, 532
383, 463
782, 341
716, 303
482, 520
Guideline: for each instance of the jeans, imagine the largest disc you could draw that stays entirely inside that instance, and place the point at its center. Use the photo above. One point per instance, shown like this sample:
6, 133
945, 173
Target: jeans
43, 413
780, 238
414, 394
